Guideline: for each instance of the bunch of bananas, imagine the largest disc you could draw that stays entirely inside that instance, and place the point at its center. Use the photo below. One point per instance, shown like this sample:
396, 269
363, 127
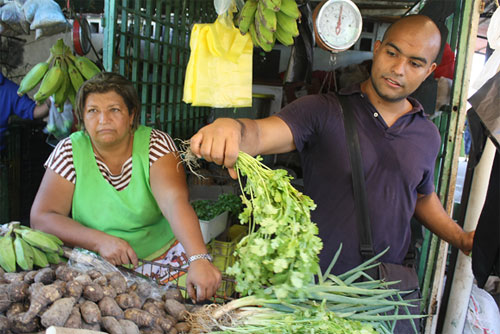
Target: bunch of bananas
60, 76
28, 248
268, 21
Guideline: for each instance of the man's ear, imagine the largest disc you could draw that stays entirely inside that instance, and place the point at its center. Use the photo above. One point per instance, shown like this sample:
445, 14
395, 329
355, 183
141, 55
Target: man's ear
376, 46
431, 69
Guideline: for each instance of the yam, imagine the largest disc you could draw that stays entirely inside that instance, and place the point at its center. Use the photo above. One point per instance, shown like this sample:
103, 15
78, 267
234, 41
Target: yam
74, 319
128, 300
150, 330
83, 279
14, 277
109, 307
93, 292
41, 296
93, 327
173, 330
129, 327
58, 313
18, 291
45, 276
176, 309
108, 291
29, 277
74, 289
140, 317
112, 325
143, 290
101, 280
60, 285
94, 274
91, 313
183, 327
164, 323
118, 282
4, 300
173, 293
15, 308
18, 326
4, 324
65, 273
153, 309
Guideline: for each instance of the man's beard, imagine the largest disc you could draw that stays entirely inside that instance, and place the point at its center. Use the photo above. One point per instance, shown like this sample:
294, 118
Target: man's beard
386, 97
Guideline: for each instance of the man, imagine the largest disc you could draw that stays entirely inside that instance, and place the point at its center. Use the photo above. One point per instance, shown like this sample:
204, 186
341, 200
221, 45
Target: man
12, 104
399, 146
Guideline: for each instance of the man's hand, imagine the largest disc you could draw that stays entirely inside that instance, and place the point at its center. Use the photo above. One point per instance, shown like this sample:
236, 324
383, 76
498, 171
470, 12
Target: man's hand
117, 251
467, 241
219, 142
203, 280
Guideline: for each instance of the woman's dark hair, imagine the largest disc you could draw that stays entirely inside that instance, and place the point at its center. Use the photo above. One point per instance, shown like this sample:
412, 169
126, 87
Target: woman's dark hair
105, 82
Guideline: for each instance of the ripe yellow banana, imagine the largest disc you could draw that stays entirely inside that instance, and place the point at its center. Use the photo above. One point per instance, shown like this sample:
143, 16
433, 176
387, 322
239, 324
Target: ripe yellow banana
266, 17
290, 8
246, 16
287, 23
7, 253
33, 77
50, 83
24, 254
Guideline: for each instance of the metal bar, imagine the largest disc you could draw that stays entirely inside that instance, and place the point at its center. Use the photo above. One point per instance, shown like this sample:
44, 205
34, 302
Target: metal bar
173, 112
156, 56
123, 39
468, 32
109, 34
145, 63
183, 37
165, 69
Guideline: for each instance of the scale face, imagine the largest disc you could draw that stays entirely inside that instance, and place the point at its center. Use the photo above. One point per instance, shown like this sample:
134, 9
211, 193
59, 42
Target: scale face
337, 24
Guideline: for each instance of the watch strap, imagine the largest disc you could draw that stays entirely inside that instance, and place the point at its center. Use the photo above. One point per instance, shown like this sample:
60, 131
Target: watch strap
195, 257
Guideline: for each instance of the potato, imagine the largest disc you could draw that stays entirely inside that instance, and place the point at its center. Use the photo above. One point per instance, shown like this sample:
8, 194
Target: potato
129, 327
45, 276
112, 325
91, 313
109, 307
93, 292
58, 313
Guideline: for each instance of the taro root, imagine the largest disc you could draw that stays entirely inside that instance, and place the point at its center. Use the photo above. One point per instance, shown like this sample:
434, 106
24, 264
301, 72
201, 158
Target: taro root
83, 279
58, 313
117, 281
108, 291
15, 308
111, 325
74, 319
45, 276
90, 312
4, 324
93, 292
29, 277
17, 325
41, 296
109, 307
4, 299
14, 277
182, 327
176, 309
140, 317
65, 273
74, 289
129, 327
101, 280
18, 291
173, 293
128, 300
153, 309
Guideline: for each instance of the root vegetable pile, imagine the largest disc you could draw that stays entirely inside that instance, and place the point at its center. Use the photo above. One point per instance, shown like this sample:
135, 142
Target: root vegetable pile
61, 296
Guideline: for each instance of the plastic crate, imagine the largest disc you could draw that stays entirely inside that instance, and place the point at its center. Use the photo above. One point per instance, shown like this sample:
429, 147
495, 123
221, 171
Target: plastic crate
223, 256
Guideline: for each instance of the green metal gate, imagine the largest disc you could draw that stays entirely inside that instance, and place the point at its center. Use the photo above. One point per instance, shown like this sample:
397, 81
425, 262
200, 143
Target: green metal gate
148, 42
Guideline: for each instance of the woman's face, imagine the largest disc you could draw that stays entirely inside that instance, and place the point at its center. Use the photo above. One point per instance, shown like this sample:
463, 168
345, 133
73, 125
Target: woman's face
107, 119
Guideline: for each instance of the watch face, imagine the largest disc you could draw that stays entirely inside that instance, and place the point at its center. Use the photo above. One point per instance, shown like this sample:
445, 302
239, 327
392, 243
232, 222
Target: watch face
339, 24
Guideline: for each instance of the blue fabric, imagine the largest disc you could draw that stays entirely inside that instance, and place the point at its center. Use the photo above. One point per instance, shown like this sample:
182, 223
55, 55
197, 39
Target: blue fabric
12, 104
398, 163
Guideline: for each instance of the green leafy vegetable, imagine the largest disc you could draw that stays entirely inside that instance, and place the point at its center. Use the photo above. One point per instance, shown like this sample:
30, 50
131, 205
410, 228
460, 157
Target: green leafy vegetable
207, 209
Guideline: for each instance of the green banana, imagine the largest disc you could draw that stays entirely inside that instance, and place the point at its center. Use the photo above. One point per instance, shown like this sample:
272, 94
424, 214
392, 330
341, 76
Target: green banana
50, 83
38, 239
273, 5
265, 35
24, 254
33, 77
59, 48
7, 253
61, 94
39, 258
86, 67
53, 258
253, 35
246, 16
284, 37
75, 76
290, 8
287, 23
266, 17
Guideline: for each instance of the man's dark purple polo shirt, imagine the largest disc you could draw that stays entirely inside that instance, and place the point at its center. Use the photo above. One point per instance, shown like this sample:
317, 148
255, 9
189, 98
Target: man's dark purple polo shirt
398, 163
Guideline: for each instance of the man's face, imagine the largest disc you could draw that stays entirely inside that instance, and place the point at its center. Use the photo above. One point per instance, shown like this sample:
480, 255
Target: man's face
401, 63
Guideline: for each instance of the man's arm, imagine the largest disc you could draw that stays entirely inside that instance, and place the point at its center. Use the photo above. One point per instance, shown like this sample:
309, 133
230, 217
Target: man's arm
222, 140
42, 110
432, 215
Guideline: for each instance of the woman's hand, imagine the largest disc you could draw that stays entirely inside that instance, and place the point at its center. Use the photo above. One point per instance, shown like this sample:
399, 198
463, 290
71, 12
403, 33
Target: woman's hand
117, 251
203, 280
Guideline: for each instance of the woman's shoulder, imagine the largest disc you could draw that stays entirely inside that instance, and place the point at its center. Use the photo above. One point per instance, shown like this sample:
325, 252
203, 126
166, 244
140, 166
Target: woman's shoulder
163, 140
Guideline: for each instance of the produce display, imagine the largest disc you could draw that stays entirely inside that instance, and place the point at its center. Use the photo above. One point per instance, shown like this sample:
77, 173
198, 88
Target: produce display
207, 209
269, 20
60, 76
63, 296
27, 248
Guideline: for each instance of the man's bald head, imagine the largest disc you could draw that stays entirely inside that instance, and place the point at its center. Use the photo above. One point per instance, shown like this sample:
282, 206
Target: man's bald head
420, 25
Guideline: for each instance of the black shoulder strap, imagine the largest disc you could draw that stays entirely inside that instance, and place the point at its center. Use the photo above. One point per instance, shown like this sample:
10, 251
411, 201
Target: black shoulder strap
358, 179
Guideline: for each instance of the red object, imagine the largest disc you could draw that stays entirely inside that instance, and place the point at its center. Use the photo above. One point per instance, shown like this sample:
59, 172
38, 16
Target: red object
447, 66
76, 37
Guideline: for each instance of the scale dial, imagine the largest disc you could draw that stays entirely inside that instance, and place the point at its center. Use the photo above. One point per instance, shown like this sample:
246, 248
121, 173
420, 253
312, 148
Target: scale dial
337, 24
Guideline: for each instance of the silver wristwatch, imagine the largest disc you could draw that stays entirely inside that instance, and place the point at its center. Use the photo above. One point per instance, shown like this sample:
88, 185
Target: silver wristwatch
198, 257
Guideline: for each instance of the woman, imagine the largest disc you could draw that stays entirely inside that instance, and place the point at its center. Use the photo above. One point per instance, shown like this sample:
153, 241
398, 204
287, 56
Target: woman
116, 187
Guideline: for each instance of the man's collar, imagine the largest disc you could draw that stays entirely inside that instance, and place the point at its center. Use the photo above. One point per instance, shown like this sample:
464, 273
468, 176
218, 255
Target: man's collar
2, 78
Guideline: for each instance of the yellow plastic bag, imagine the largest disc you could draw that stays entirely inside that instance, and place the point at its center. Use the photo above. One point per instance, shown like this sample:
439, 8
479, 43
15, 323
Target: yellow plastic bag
219, 71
